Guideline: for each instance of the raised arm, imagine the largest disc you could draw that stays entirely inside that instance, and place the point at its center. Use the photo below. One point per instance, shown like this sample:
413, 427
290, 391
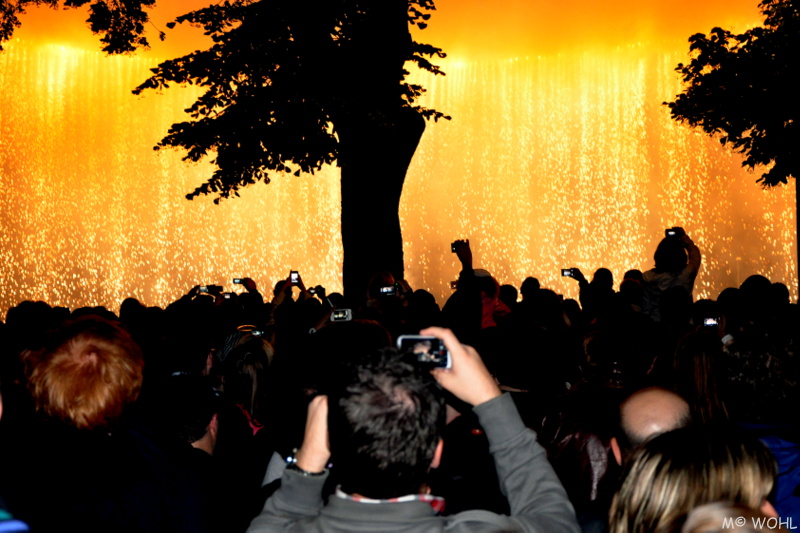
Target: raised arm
300, 494
536, 497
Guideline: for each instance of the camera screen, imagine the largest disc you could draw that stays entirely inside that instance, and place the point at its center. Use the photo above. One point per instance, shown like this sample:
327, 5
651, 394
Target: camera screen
430, 351
567, 272
340, 315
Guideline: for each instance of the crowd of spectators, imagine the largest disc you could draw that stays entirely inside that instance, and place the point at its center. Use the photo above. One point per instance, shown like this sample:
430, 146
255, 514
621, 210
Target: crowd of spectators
653, 409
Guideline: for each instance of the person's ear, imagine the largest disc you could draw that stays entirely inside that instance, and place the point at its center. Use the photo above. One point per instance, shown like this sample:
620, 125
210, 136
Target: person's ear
437, 455
616, 451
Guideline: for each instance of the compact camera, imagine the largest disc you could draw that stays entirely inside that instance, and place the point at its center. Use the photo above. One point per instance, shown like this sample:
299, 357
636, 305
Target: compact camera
429, 351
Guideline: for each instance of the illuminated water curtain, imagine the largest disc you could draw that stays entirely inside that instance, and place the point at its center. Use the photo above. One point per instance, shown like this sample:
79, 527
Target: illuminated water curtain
548, 162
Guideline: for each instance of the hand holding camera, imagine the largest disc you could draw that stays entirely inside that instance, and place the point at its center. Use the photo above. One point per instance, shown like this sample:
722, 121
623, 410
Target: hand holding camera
214, 290
318, 291
468, 377
296, 281
462, 250
676, 232
248, 283
429, 351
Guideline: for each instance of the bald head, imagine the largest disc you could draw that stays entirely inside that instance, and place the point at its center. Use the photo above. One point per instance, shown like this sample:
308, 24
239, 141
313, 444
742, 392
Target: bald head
650, 412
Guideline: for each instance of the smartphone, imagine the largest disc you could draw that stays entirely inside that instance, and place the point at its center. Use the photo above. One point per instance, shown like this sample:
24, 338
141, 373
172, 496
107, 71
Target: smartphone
294, 277
429, 351
341, 315
567, 272
238, 281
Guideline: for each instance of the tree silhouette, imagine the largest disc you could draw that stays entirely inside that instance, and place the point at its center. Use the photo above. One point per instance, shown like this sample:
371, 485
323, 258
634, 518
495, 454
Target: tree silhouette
290, 86
742, 88
120, 23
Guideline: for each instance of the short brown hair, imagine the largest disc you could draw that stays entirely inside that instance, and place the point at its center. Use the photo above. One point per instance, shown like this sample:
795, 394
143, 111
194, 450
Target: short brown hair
88, 371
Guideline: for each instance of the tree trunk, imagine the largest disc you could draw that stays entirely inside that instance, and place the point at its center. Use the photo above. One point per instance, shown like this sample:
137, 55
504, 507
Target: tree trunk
376, 149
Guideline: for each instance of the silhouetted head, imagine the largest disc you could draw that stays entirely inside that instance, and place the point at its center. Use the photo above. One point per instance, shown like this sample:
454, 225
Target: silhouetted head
670, 255
603, 279
547, 309
755, 283
422, 311
379, 280
334, 347
508, 295
632, 292
130, 310
486, 282
779, 294
529, 288
634, 274
186, 403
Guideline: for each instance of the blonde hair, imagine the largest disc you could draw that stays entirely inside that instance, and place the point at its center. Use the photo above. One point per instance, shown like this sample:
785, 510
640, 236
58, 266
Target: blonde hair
87, 373
677, 471
720, 517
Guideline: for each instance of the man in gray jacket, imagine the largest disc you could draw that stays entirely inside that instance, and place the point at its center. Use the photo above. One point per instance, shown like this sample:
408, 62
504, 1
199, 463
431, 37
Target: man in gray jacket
385, 428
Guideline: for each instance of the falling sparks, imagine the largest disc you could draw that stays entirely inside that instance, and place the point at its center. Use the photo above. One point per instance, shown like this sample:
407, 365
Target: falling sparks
571, 160
549, 162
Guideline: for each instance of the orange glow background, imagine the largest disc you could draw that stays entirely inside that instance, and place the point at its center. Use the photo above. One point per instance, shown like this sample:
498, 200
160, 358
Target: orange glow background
559, 154
467, 29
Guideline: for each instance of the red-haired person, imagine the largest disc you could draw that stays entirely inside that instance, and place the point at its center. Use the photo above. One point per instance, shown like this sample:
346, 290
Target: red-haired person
88, 372
89, 462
